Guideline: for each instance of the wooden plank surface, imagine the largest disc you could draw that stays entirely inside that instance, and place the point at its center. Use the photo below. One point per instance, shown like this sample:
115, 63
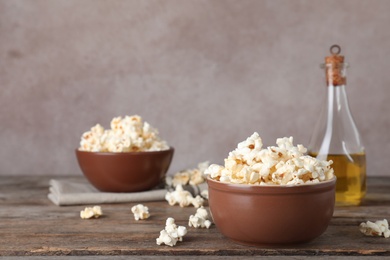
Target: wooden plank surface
30, 225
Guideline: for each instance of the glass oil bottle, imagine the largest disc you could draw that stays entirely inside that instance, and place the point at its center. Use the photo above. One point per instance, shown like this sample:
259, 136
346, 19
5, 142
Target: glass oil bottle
336, 137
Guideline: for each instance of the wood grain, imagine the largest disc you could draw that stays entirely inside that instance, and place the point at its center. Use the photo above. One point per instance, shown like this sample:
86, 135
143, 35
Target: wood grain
30, 225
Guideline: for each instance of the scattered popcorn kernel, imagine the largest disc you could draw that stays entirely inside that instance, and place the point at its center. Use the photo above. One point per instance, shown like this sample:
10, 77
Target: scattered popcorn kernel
205, 194
89, 212
183, 198
379, 228
189, 176
197, 178
128, 134
181, 178
200, 219
197, 202
140, 212
171, 234
284, 164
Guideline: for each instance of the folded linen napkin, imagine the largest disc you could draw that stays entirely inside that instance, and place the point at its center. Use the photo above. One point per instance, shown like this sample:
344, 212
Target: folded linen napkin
67, 192
70, 192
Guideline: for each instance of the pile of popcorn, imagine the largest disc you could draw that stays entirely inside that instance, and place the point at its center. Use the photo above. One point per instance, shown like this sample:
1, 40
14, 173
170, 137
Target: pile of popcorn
284, 164
128, 134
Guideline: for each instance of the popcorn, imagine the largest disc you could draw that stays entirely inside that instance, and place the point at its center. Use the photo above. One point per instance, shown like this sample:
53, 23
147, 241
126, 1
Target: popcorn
205, 194
379, 228
197, 201
140, 212
171, 234
90, 141
128, 134
192, 180
89, 212
284, 164
188, 176
180, 178
183, 198
200, 219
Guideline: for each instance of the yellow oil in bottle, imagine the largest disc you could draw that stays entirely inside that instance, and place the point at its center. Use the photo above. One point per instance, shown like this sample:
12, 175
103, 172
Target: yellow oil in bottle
350, 171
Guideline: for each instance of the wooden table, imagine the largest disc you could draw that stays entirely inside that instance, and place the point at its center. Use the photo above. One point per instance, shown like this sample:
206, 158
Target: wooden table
31, 225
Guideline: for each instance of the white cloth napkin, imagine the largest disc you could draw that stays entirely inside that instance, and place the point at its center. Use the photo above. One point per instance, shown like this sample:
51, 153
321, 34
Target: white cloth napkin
67, 192
71, 192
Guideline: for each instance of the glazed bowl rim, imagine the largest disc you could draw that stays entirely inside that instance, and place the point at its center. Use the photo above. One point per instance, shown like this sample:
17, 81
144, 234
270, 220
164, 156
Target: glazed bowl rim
170, 149
274, 189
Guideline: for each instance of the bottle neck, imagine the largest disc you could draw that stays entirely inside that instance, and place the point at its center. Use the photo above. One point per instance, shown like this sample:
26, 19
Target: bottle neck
335, 132
336, 113
337, 107
337, 100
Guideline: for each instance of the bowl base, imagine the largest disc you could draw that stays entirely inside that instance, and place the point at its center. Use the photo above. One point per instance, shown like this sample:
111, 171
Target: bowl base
274, 245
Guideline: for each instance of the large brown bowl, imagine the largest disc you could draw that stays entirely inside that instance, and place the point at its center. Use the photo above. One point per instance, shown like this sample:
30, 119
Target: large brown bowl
264, 215
125, 172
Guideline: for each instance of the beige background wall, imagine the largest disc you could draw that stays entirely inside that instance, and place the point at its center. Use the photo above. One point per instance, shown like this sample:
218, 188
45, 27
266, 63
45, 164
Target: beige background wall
207, 74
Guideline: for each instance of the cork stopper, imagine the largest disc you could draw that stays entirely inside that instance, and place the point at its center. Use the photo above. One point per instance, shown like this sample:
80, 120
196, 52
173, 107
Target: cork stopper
334, 66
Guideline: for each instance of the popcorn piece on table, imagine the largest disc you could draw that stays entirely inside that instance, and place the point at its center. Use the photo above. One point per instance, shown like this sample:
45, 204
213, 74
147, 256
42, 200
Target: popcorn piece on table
200, 219
181, 178
128, 134
183, 198
94, 212
379, 228
140, 212
284, 164
171, 234
197, 175
189, 176
205, 194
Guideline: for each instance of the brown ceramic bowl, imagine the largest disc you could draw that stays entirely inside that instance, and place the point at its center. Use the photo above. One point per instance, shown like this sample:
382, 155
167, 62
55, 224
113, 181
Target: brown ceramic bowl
264, 215
125, 172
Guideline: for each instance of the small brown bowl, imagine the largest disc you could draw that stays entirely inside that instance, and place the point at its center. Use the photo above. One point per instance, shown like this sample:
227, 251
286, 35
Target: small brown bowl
264, 215
125, 172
